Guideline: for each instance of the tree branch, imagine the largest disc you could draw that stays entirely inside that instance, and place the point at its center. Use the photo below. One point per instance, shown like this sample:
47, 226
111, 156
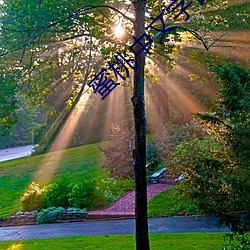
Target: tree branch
193, 32
112, 8
42, 29
76, 12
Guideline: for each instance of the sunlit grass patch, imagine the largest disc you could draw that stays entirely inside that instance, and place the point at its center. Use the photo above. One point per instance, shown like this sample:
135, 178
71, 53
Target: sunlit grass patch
170, 241
16, 175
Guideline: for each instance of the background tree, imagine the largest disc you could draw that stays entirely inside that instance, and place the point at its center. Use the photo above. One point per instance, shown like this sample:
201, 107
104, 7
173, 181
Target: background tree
8, 105
118, 156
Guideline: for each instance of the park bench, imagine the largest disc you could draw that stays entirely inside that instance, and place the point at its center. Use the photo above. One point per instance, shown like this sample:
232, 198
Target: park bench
155, 177
182, 176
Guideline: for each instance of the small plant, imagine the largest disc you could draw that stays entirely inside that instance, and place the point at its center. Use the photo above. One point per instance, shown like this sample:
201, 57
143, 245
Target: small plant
48, 215
109, 189
33, 197
103, 195
76, 210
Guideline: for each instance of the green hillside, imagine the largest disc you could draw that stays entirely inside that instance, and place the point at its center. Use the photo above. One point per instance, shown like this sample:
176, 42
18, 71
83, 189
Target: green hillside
16, 175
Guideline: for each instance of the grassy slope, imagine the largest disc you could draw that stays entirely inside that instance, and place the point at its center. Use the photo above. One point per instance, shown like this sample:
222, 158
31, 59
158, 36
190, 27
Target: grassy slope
169, 203
16, 175
173, 241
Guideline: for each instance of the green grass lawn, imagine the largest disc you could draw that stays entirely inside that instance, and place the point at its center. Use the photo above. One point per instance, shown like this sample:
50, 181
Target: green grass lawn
16, 175
170, 241
169, 203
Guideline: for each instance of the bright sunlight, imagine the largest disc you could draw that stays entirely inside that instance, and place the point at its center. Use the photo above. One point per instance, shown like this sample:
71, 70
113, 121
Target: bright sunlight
119, 31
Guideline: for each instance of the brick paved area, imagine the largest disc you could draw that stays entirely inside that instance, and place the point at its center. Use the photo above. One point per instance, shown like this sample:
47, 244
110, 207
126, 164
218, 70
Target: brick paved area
124, 207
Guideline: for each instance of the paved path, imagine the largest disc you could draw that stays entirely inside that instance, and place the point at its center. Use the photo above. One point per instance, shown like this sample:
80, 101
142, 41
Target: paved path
125, 206
14, 153
156, 225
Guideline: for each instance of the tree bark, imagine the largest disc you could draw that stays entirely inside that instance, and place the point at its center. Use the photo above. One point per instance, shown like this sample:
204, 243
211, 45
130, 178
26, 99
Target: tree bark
139, 151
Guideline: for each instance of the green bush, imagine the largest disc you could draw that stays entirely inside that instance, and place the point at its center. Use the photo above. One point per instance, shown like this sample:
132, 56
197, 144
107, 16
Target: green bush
216, 168
88, 193
57, 193
103, 194
109, 189
242, 241
152, 156
123, 185
33, 198
48, 215
81, 194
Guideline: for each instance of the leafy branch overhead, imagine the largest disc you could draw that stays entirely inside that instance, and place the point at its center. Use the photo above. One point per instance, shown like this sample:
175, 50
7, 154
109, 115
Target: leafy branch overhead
35, 32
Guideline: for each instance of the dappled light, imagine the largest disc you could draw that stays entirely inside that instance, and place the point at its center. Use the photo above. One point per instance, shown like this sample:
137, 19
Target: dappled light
51, 161
16, 247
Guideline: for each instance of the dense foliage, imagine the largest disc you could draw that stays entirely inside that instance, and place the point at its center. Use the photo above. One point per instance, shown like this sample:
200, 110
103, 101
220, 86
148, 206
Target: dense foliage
162, 143
53, 48
118, 153
217, 168
32, 199
48, 215
8, 105
90, 193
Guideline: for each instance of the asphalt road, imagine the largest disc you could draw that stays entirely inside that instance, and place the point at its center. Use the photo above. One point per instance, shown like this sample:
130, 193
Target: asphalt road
14, 153
156, 225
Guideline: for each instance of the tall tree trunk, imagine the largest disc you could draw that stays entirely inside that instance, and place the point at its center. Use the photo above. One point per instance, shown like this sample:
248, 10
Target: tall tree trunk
139, 151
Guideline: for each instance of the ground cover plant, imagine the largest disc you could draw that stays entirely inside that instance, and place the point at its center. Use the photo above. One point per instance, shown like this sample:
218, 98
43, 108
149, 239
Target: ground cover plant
171, 241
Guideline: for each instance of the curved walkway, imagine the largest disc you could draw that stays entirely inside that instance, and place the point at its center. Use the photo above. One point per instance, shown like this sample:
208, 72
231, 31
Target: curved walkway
125, 205
17, 152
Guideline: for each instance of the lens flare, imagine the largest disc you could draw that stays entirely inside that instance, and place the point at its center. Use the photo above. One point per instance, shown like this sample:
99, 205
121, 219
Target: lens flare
119, 31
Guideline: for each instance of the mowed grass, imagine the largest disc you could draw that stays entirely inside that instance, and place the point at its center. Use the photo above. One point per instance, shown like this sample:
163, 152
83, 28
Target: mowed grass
170, 241
16, 175
169, 202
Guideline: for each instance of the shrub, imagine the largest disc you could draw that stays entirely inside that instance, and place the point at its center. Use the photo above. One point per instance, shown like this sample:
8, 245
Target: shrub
152, 156
243, 242
109, 189
33, 197
48, 215
56, 194
216, 168
38, 131
73, 209
103, 194
118, 153
81, 194
123, 185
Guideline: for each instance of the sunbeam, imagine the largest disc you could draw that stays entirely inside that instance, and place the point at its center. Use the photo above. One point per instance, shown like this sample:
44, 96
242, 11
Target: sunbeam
51, 161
